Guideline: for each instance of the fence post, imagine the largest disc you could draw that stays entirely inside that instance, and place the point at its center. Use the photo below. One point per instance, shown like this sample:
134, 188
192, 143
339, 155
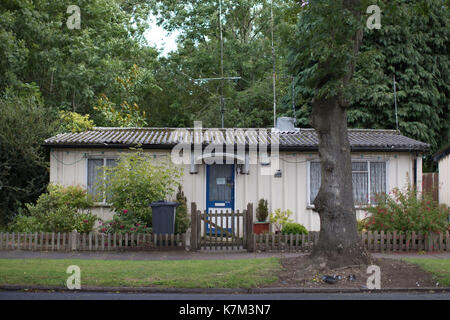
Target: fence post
194, 226
74, 240
249, 227
447, 241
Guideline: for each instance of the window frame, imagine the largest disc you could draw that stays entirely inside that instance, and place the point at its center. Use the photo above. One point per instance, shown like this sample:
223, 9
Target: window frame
105, 159
368, 161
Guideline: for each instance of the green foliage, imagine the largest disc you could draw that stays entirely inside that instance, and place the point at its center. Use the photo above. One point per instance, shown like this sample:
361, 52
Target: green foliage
71, 67
58, 210
74, 122
280, 218
24, 124
24, 223
322, 49
182, 216
125, 221
124, 110
247, 54
412, 44
293, 228
414, 47
262, 211
138, 180
406, 211
361, 224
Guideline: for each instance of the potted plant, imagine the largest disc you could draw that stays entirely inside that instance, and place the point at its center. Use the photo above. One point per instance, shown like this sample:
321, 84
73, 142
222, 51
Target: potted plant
262, 211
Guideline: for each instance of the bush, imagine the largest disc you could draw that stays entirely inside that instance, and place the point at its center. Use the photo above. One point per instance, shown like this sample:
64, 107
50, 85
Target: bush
24, 125
125, 222
280, 218
58, 210
136, 181
294, 228
262, 211
74, 122
182, 218
24, 223
361, 224
405, 211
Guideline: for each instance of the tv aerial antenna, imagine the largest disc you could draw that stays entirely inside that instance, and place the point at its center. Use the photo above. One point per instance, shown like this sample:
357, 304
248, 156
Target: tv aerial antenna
222, 78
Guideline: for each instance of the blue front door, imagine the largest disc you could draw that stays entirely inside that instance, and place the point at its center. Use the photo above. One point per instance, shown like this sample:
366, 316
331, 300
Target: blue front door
219, 189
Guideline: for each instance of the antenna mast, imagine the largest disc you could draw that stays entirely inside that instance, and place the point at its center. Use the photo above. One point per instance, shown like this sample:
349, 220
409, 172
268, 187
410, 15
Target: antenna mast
222, 102
273, 73
395, 103
222, 78
293, 100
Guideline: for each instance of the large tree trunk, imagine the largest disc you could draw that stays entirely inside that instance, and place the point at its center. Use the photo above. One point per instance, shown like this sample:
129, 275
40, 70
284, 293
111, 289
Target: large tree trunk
338, 241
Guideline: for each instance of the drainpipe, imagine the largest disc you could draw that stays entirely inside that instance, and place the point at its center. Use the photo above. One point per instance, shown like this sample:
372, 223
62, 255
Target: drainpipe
418, 172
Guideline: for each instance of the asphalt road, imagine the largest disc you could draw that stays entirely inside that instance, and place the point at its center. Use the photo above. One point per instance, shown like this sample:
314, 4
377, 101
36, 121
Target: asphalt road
18, 295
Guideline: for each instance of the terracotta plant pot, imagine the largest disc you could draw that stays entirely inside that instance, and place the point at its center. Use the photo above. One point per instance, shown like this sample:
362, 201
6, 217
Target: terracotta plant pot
261, 227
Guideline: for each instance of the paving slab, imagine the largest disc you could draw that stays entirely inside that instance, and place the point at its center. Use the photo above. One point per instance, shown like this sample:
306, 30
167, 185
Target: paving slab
143, 255
415, 255
186, 255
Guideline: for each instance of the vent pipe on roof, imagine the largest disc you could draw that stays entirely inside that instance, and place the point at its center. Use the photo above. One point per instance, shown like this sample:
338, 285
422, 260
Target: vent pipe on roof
285, 124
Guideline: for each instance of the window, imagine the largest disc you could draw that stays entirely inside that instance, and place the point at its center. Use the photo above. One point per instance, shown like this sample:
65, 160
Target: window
94, 167
368, 178
314, 180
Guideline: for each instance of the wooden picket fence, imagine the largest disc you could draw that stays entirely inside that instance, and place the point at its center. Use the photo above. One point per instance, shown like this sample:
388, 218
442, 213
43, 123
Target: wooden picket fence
396, 241
372, 241
93, 241
384, 242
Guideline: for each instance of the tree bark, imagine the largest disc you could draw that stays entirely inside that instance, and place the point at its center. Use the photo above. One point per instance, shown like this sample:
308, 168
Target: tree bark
338, 243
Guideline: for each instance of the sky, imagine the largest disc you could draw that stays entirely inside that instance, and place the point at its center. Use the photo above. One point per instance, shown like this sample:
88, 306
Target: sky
160, 38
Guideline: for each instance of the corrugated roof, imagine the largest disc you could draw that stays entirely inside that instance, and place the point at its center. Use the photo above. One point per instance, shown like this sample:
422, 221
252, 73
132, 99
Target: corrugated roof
302, 139
442, 153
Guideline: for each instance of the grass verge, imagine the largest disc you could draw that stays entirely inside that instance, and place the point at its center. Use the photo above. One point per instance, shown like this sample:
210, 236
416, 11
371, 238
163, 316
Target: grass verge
440, 268
171, 274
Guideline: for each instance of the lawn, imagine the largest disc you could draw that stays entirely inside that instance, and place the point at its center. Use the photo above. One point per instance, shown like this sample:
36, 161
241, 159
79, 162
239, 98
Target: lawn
180, 274
440, 268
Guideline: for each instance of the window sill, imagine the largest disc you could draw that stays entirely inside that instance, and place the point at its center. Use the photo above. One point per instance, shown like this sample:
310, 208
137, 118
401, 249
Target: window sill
362, 207
101, 205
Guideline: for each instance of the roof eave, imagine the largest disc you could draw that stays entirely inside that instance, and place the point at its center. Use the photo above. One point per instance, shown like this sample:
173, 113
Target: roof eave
445, 151
281, 148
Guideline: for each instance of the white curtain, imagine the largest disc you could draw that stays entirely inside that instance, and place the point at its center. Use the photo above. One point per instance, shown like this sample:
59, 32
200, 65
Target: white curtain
94, 166
377, 178
94, 169
360, 187
360, 180
110, 163
314, 179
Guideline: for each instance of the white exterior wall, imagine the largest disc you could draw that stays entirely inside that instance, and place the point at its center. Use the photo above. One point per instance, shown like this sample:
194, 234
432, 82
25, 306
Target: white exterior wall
444, 180
69, 167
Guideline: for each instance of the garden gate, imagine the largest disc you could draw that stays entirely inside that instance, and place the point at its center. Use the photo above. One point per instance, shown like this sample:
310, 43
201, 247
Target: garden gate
222, 230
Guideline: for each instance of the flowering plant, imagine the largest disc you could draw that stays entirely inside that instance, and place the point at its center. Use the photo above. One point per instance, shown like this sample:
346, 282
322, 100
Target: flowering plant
123, 222
407, 211
136, 181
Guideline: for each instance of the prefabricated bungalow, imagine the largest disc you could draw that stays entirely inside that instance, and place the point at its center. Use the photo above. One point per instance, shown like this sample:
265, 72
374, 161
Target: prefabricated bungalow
287, 175
443, 159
